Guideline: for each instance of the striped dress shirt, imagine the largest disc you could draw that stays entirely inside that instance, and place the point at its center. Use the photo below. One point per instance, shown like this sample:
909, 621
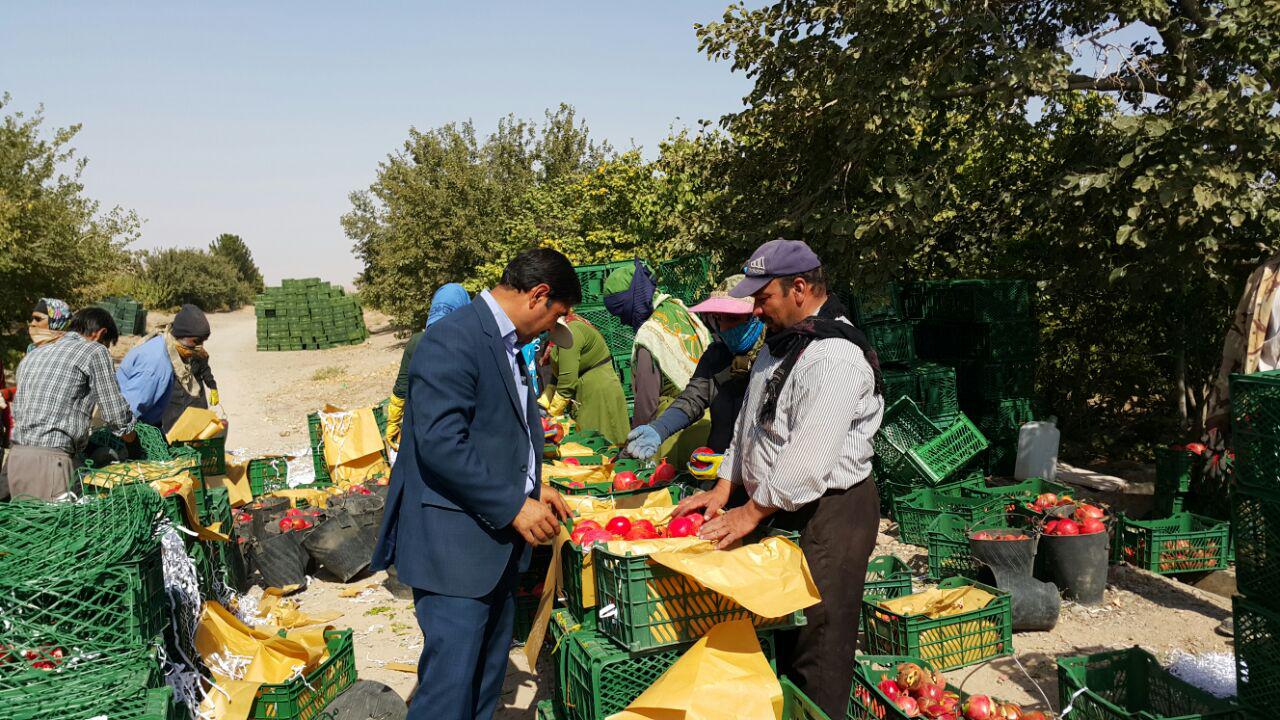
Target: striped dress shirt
820, 438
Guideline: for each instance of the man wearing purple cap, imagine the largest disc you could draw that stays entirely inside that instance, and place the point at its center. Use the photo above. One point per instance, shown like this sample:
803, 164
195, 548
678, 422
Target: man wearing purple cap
802, 452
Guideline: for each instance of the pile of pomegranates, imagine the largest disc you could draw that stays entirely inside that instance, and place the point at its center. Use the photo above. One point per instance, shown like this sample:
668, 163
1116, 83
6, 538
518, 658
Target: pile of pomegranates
1085, 520
919, 692
587, 532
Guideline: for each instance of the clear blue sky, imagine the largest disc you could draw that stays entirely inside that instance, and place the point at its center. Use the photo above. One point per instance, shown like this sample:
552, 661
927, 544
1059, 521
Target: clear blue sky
258, 118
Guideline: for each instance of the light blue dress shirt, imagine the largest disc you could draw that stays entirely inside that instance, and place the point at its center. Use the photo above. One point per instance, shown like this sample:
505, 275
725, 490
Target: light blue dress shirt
514, 359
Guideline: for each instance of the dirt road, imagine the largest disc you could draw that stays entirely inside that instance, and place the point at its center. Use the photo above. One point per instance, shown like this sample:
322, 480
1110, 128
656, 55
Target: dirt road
268, 395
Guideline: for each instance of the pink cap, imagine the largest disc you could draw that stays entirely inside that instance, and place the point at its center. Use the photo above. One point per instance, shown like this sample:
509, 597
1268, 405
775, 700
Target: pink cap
724, 304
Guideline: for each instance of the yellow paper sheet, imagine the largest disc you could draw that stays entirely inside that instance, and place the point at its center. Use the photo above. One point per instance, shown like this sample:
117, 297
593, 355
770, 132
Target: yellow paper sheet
770, 578
183, 485
577, 473
573, 449
192, 424
724, 676
273, 659
353, 446
938, 603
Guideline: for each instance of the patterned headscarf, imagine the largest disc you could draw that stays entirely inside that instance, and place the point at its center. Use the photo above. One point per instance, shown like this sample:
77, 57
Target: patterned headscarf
59, 312
448, 298
628, 294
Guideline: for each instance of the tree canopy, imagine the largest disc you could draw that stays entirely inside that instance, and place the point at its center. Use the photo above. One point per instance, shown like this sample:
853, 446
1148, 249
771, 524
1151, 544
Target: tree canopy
234, 249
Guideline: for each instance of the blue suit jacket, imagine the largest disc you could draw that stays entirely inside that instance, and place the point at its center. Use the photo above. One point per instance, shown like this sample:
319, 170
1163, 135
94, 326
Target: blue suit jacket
459, 479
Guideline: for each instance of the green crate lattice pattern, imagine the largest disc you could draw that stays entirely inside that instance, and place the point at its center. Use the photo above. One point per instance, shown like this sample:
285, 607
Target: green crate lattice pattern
893, 340
304, 698
308, 315
950, 642
1257, 638
887, 577
917, 510
1181, 543
939, 458
1131, 685
122, 682
657, 606
1256, 528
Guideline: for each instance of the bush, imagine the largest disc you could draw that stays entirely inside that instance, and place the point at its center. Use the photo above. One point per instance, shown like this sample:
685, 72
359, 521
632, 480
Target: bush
171, 278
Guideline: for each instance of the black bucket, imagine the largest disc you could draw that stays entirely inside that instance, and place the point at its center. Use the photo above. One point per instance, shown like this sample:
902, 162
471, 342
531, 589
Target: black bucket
1077, 564
280, 559
1034, 605
367, 512
339, 545
266, 515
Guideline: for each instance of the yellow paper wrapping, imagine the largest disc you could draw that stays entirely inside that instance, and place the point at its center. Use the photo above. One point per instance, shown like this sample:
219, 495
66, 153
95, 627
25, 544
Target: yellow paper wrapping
577, 473
272, 659
770, 578
724, 676
236, 481
353, 445
194, 424
583, 505
183, 486
311, 496
960, 643
573, 449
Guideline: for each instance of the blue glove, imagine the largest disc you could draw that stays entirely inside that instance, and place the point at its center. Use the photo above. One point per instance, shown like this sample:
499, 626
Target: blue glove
643, 442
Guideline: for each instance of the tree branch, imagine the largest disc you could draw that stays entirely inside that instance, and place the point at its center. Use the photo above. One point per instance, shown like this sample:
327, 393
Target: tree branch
1108, 83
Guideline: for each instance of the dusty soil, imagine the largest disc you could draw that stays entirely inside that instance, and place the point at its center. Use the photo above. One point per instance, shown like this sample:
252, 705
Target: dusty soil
267, 396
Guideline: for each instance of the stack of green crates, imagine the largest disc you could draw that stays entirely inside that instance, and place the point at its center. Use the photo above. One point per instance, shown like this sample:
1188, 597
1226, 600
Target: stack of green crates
1255, 432
129, 314
986, 330
308, 314
688, 279
82, 591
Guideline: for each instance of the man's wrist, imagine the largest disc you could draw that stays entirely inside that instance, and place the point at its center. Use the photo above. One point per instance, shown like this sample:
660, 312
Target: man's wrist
757, 511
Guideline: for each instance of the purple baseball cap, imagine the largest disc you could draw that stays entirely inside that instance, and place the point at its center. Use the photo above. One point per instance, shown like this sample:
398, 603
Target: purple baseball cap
774, 259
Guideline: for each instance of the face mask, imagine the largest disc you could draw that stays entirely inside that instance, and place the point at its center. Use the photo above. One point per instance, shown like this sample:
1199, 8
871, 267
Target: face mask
43, 335
743, 337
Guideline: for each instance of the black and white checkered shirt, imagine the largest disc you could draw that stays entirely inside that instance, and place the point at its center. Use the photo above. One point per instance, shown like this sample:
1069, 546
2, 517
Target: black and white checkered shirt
58, 385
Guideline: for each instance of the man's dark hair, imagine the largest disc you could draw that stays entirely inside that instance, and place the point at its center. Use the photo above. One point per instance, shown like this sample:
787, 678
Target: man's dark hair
543, 265
90, 320
815, 278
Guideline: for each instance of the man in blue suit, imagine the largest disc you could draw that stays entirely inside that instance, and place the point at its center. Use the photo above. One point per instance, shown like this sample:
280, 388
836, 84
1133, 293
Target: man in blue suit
466, 499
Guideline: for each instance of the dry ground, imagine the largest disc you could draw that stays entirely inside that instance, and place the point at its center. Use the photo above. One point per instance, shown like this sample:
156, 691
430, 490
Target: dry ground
268, 395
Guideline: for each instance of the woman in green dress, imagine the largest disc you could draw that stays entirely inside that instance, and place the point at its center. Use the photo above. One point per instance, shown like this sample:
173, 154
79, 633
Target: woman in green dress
587, 385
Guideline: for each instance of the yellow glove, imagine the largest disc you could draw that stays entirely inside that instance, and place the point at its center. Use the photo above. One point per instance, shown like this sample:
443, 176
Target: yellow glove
705, 466
395, 418
559, 404
213, 396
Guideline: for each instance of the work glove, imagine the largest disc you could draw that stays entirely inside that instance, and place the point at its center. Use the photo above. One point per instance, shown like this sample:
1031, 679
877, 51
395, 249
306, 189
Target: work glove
213, 396
705, 466
643, 442
395, 418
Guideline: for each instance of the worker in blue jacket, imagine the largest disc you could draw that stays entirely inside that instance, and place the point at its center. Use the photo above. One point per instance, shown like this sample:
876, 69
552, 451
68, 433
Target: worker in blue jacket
169, 372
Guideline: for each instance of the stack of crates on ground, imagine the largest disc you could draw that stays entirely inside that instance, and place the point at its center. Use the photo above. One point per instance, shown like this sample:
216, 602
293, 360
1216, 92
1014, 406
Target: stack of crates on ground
1123, 684
878, 312
604, 661
1255, 431
687, 279
83, 608
913, 453
987, 331
129, 314
308, 314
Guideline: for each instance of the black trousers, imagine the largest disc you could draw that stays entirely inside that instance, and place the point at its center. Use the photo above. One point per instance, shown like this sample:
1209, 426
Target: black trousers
838, 535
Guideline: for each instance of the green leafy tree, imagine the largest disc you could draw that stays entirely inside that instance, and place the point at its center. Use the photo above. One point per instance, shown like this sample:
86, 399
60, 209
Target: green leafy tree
55, 241
897, 138
177, 276
234, 249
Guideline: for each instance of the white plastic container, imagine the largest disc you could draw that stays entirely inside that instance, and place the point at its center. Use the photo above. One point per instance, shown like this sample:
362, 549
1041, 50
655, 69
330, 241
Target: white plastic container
1037, 450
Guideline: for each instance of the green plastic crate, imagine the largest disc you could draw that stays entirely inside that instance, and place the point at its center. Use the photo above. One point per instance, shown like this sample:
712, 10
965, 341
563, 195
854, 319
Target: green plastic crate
1257, 640
1131, 685
796, 705
123, 603
619, 336
968, 300
267, 474
1256, 532
213, 454
979, 382
951, 642
118, 681
154, 445
986, 341
687, 278
893, 340
1175, 469
304, 698
1181, 543
1257, 463
902, 428
597, 678
899, 383
938, 459
916, 511
1017, 493
547, 711
655, 606
1255, 403
936, 391
887, 577
867, 702
590, 439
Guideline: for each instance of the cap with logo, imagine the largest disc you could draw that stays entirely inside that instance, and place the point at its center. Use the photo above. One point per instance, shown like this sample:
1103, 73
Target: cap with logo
775, 259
